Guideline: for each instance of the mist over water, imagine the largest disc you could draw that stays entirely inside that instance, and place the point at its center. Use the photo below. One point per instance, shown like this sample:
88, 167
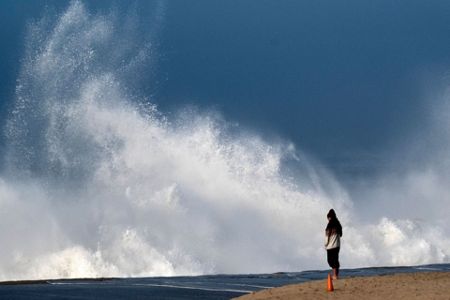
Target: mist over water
100, 183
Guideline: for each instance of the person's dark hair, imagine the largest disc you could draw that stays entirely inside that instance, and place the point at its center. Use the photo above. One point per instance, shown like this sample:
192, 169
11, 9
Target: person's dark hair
334, 226
332, 214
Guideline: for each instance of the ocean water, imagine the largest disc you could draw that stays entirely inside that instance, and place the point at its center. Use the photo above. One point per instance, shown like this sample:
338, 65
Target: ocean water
190, 287
99, 182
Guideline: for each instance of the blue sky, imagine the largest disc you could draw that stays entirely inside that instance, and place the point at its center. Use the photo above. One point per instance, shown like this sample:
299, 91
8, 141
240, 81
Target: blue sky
343, 80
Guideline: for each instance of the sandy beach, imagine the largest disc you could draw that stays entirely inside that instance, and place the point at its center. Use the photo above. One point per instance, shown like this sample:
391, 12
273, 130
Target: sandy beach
427, 285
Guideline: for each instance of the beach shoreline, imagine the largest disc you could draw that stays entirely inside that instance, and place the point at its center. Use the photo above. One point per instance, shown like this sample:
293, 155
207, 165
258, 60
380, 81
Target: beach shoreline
420, 285
256, 286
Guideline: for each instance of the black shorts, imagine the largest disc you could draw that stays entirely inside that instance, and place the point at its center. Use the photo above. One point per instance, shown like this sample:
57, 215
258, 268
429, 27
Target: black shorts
333, 257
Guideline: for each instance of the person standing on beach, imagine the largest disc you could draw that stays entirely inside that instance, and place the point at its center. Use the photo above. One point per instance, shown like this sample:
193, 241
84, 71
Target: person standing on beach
333, 234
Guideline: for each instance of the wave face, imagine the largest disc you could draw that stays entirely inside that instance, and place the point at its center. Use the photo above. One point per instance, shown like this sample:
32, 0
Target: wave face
100, 183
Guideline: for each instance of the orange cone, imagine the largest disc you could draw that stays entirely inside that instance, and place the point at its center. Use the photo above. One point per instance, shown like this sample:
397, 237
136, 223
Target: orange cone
330, 287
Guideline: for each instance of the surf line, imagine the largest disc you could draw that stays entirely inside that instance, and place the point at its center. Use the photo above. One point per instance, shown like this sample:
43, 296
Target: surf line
234, 284
191, 288
250, 285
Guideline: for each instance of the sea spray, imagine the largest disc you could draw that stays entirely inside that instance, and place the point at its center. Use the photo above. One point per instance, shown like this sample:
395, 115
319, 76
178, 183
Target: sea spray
100, 183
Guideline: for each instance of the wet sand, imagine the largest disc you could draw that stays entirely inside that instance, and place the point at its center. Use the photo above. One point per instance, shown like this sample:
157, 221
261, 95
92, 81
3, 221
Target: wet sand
426, 285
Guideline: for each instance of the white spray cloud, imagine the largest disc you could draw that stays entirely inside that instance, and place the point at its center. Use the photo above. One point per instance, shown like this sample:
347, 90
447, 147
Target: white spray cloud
98, 185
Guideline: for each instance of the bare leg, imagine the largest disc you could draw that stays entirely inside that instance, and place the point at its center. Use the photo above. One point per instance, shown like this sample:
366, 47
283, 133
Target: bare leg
335, 273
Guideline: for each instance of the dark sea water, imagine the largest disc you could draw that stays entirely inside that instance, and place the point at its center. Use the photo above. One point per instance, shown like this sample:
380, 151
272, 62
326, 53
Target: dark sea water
168, 138
190, 287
